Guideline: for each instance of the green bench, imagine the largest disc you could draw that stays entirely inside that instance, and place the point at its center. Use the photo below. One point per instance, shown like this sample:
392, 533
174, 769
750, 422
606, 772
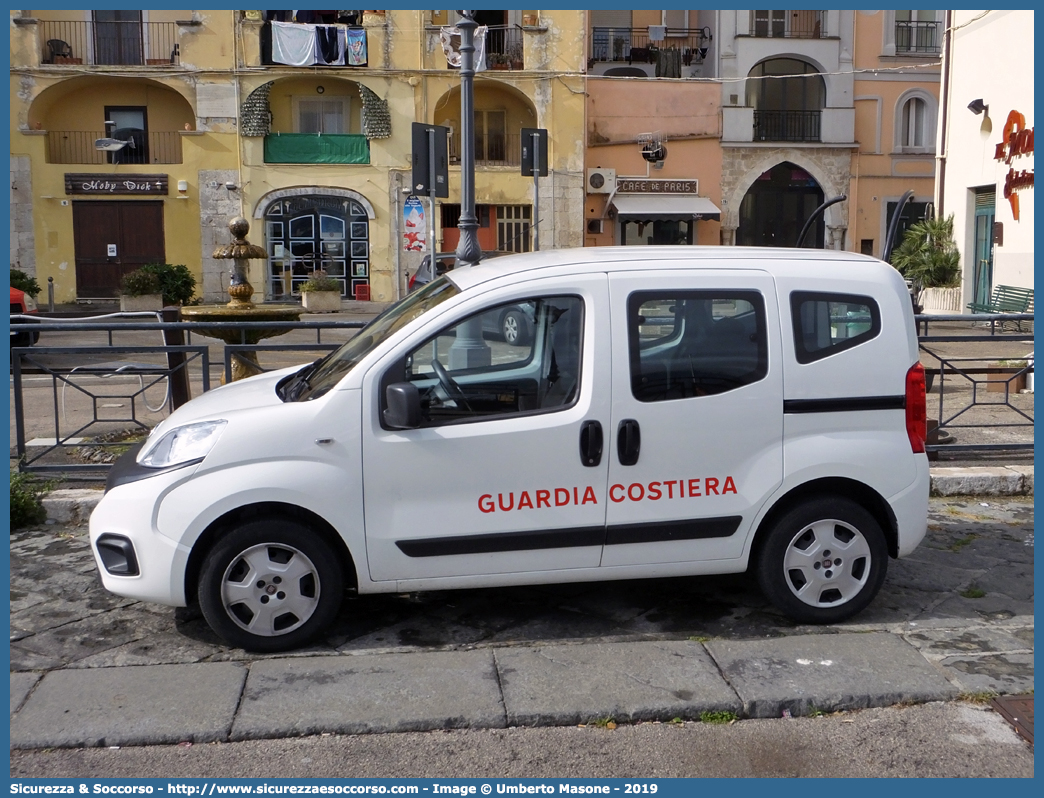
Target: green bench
1006, 299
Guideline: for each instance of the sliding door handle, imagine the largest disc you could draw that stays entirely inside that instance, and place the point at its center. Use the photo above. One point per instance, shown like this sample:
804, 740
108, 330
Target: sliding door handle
591, 443
628, 442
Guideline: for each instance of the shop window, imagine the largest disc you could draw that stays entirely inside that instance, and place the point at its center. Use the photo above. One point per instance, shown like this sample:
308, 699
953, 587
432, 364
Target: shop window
317, 233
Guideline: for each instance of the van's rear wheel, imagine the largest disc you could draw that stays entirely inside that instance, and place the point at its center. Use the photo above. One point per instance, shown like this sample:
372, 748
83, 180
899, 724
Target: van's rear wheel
270, 586
823, 561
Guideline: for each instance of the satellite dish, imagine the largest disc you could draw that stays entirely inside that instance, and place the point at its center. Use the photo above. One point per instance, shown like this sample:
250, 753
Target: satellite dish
109, 145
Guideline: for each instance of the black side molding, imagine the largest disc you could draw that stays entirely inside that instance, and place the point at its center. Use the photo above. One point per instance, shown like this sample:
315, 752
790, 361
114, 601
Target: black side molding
844, 405
688, 529
503, 541
693, 529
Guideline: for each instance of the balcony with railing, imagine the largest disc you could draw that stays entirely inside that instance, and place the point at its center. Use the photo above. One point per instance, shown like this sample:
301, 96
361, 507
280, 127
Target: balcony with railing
787, 24
633, 45
916, 36
317, 148
78, 146
504, 48
787, 125
491, 149
109, 43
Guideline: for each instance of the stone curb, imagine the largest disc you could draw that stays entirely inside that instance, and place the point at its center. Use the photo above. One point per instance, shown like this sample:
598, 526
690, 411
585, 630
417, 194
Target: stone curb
74, 506
481, 689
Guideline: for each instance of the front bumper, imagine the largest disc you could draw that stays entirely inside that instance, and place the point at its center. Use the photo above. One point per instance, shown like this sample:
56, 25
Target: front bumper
126, 517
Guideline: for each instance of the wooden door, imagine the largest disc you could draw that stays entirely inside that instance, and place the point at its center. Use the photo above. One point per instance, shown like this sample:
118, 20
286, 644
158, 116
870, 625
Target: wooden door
136, 230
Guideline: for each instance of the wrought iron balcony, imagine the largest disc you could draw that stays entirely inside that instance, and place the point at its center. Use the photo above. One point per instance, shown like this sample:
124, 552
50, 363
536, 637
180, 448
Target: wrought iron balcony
77, 146
787, 125
916, 37
491, 149
786, 24
633, 44
110, 43
504, 47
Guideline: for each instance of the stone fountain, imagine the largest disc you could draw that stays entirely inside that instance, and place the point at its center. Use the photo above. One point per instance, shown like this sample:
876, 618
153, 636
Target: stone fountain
240, 307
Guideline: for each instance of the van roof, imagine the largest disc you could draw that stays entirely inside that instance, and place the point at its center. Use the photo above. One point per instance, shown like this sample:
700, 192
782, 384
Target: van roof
619, 258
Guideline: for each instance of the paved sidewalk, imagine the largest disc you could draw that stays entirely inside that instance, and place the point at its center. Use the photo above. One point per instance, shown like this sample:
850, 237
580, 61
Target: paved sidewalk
91, 669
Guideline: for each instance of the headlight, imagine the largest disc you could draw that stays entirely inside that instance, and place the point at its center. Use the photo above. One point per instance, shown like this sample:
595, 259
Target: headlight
182, 444
30, 303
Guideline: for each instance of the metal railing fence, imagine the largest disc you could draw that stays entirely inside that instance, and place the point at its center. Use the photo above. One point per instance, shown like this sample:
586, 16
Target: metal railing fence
972, 397
109, 43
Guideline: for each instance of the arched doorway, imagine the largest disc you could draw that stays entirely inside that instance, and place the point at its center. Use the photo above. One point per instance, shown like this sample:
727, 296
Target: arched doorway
309, 232
776, 207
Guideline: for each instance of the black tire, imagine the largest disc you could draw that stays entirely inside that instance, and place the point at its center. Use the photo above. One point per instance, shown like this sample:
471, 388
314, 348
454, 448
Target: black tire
823, 561
247, 598
513, 328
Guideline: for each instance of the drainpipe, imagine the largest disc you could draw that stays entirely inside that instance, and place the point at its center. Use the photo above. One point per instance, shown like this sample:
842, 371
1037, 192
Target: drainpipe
940, 156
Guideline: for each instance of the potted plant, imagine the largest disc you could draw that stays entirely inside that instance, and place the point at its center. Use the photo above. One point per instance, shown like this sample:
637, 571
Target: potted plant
514, 56
929, 259
140, 291
321, 293
498, 61
174, 284
1006, 375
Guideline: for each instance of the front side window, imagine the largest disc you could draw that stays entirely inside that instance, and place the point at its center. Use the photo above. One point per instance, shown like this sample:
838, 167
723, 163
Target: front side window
514, 358
313, 381
686, 344
825, 324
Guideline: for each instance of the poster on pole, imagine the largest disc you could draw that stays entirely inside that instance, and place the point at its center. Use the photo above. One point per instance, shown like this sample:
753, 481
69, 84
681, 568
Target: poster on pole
414, 237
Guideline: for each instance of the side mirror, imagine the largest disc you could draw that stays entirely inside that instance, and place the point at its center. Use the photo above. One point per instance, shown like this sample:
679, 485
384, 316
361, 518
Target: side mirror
403, 406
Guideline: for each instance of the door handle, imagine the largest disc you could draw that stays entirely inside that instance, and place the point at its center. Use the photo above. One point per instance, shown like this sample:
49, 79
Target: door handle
591, 443
628, 441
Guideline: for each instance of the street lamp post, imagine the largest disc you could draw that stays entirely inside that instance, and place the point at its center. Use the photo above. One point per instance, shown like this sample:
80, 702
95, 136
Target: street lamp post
468, 250
469, 349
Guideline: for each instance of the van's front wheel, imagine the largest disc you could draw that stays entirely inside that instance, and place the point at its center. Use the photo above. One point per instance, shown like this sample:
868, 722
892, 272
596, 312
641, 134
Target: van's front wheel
270, 586
823, 561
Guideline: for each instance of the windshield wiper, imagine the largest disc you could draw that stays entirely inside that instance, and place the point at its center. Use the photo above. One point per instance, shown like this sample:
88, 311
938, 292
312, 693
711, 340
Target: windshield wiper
298, 382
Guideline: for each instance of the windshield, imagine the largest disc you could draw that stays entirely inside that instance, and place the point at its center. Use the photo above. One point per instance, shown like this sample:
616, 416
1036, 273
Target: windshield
326, 373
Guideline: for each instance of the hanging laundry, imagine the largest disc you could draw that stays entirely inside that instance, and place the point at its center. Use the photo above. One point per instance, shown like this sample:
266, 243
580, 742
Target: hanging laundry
355, 52
330, 44
294, 45
451, 46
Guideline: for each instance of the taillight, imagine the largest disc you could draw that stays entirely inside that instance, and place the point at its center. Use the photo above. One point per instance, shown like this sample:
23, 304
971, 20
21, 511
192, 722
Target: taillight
916, 408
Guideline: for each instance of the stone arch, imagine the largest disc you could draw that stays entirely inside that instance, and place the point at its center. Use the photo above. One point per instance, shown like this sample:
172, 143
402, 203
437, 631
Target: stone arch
52, 102
835, 216
299, 191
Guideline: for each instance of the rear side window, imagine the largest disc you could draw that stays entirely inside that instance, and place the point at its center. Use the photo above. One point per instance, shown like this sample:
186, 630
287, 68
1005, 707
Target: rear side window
825, 324
695, 343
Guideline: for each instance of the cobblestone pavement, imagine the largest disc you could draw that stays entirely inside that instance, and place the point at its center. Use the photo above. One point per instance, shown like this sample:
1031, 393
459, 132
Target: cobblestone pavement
973, 573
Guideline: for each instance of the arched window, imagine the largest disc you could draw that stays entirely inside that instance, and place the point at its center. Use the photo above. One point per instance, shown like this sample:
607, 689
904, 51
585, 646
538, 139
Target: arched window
313, 232
787, 96
915, 123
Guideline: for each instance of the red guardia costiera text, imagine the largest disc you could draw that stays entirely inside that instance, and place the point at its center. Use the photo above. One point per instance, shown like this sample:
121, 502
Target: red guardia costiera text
635, 492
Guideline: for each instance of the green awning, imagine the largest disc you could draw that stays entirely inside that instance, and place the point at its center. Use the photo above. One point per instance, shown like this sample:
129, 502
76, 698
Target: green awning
316, 148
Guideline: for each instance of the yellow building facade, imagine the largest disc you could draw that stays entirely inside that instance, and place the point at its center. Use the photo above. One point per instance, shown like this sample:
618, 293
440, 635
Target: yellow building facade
136, 136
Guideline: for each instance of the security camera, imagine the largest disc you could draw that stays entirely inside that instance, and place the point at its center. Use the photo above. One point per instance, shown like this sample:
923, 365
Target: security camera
231, 186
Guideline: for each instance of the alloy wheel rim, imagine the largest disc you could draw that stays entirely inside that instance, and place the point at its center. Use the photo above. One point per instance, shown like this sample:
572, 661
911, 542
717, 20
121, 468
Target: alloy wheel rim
270, 589
827, 563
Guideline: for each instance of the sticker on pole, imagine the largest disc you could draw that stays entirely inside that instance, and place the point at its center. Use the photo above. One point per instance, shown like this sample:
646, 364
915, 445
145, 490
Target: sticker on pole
414, 238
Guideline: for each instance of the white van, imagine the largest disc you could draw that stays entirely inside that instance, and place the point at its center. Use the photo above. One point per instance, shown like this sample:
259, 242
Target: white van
675, 411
